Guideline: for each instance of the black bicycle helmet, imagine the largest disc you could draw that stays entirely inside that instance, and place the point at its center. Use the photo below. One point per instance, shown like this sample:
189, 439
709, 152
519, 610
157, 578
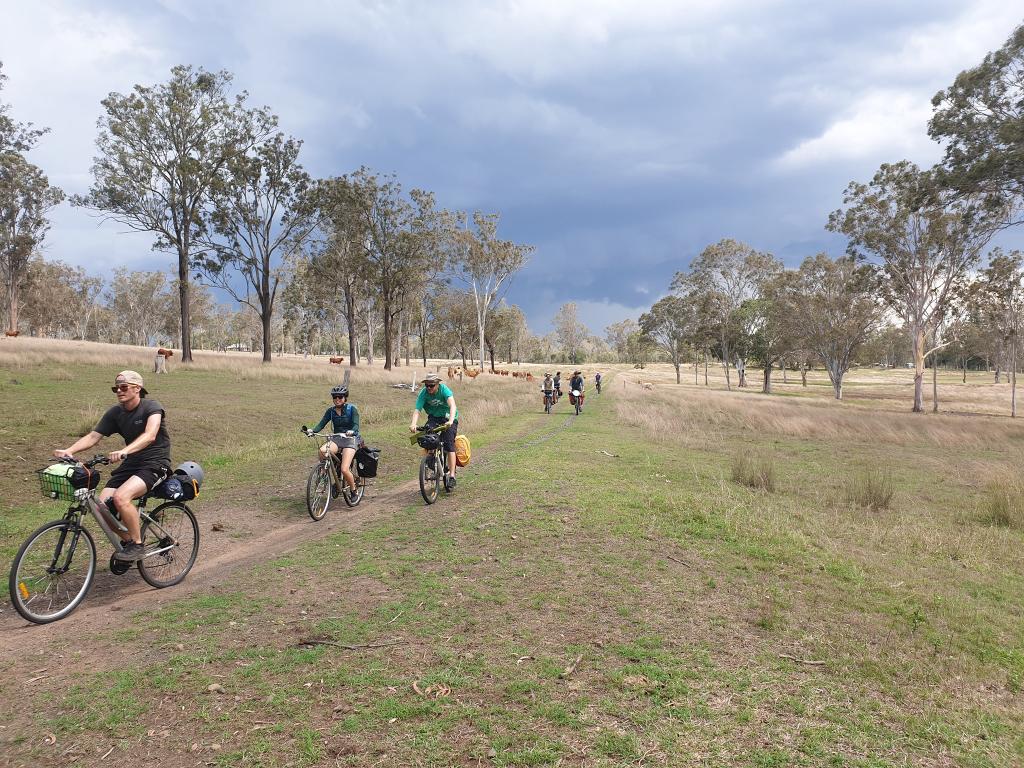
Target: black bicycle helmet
339, 391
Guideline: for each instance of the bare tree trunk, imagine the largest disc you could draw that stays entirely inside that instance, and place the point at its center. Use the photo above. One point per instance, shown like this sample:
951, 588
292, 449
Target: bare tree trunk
1013, 378
706, 367
918, 341
186, 319
935, 384
678, 376
350, 319
965, 369
803, 375
741, 370
369, 332
785, 376
767, 386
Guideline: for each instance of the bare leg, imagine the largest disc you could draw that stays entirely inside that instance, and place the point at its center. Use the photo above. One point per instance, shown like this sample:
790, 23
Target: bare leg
346, 467
131, 489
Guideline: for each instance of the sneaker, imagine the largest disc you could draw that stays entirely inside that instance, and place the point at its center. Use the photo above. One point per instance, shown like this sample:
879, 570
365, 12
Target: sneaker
130, 552
449, 483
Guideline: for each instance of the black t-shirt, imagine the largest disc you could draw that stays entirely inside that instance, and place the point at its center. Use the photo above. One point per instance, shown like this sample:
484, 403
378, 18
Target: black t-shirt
131, 424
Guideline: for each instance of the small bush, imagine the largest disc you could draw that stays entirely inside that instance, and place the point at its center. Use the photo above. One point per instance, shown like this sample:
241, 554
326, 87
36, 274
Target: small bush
754, 471
1004, 502
871, 489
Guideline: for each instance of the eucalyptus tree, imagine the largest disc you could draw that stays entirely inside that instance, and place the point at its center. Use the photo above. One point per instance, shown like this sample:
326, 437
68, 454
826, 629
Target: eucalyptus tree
999, 292
569, 330
980, 120
454, 318
162, 149
670, 323
401, 241
926, 239
263, 204
60, 300
139, 300
833, 309
723, 277
26, 198
617, 335
484, 263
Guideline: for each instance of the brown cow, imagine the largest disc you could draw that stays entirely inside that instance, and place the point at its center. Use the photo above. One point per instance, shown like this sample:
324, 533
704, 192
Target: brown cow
337, 360
11, 333
451, 373
165, 352
529, 377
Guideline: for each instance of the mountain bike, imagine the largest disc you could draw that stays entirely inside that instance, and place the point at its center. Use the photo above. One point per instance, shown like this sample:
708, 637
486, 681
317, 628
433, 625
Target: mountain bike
549, 398
325, 479
55, 567
576, 399
434, 462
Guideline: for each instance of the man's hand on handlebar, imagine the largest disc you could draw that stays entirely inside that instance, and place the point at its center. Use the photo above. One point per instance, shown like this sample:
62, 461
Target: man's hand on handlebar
60, 453
115, 456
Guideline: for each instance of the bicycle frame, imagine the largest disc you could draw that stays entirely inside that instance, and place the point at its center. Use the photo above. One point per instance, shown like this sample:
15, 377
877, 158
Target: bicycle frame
87, 502
333, 459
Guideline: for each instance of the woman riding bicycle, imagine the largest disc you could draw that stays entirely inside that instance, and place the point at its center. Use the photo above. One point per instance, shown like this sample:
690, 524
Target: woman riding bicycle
344, 418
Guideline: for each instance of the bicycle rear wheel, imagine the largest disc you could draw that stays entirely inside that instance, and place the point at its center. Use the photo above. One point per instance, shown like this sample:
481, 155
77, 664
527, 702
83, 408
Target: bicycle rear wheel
353, 499
174, 536
319, 491
430, 478
52, 572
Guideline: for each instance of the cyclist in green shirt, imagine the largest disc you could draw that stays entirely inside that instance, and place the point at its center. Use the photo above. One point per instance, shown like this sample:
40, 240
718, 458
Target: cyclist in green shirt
438, 402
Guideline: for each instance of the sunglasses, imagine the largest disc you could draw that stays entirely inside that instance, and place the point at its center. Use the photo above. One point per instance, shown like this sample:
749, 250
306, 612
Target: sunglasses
431, 385
121, 387
339, 397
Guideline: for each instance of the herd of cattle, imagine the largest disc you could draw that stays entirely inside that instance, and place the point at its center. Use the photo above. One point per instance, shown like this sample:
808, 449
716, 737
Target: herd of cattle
458, 372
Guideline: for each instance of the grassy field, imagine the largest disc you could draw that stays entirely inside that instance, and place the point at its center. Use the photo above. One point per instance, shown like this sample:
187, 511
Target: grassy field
679, 576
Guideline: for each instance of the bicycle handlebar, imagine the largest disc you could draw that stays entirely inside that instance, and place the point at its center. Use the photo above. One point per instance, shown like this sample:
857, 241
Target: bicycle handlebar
99, 458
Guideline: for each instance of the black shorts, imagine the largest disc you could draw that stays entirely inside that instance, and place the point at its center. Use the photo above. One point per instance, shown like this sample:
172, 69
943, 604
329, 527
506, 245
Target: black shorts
448, 436
150, 474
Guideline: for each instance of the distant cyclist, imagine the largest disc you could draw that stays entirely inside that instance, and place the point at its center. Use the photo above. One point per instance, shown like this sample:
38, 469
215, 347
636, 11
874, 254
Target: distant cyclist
597, 382
548, 388
438, 402
558, 385
576, 385
344, 418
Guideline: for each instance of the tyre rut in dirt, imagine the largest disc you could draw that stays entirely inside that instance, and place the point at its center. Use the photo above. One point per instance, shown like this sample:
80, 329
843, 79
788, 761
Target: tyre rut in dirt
52, 572
318, 491
174, 525
430, 478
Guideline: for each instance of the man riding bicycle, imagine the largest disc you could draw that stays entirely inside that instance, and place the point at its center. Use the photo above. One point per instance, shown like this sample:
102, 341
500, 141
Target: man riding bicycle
344, 418
597, 382
146, 456
438, 402
558, 384
548, 388
576, 385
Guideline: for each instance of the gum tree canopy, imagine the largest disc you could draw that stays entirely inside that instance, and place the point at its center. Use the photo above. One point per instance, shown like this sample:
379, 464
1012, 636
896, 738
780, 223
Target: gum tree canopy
980, 118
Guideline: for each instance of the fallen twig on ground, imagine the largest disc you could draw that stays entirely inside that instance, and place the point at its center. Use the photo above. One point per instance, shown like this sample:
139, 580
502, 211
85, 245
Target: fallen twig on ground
612, 455
356, 647
808, 662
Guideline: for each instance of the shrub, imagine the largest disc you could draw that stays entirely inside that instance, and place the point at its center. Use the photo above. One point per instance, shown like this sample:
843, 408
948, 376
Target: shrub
754, 471
871, 489
1004, 502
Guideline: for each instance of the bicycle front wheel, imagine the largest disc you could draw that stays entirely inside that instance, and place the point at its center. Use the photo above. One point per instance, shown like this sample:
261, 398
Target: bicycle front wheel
318, 491
430, 478
172, 543
52, 572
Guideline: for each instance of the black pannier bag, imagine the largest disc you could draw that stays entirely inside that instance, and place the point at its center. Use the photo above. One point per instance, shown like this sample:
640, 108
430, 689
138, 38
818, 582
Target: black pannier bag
430, 441
366, 460
84, 478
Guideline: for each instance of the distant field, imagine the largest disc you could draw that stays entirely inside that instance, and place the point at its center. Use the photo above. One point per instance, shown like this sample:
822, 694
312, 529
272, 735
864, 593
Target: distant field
617, 589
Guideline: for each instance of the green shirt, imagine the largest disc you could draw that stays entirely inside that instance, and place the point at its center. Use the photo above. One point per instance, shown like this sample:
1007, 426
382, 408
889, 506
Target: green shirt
436, 404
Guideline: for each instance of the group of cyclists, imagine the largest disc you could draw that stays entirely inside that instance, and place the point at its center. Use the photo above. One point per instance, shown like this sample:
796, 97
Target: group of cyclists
552, 388
145, 460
